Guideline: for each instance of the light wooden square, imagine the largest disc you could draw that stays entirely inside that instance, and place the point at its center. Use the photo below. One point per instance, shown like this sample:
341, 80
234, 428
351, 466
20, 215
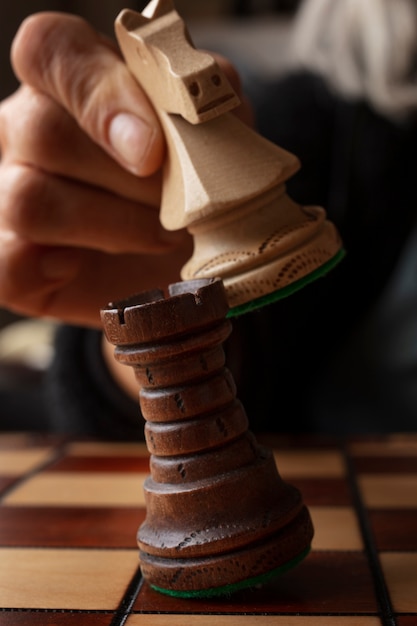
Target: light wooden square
17, 462
400, 571
65, 579
335, 528
389, 491
80, 489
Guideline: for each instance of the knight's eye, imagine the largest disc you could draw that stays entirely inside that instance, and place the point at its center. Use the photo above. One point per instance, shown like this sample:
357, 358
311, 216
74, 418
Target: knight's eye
216, 80
194, 89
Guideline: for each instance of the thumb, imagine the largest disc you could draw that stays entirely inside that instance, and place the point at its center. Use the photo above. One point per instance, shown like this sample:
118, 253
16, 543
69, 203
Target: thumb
64, 57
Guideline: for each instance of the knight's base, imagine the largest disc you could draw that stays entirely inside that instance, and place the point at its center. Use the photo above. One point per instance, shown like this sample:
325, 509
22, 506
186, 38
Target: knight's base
237, 288
257, 259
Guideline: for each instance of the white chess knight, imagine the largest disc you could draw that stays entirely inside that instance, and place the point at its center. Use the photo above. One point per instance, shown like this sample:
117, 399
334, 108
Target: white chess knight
222, 181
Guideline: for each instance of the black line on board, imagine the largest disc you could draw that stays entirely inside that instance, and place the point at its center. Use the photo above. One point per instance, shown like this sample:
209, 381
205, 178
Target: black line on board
387, 614
125, 607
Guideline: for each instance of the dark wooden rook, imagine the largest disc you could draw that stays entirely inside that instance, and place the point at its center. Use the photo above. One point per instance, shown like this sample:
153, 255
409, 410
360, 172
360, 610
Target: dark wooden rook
218, 513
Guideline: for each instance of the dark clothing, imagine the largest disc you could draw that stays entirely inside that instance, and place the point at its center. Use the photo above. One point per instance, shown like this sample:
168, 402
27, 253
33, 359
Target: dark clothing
328, 358
361, 168
81, 396
355, 163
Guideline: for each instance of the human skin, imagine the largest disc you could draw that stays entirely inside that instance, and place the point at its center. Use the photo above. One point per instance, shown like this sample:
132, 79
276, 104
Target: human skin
81, 153
80, 184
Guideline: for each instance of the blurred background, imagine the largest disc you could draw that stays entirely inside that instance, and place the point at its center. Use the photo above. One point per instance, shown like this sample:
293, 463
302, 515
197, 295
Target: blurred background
246, 26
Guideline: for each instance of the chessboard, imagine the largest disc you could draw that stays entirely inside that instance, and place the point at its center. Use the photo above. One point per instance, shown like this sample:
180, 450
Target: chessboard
69, 513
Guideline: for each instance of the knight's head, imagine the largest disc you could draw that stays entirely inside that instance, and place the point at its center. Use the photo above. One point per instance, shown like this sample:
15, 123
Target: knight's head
177, 77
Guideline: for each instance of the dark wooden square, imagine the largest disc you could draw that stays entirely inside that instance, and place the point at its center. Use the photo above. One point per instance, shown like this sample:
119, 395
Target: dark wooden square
324, 583
101, 527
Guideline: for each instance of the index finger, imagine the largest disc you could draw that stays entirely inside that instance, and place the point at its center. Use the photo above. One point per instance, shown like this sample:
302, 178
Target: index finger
63, 56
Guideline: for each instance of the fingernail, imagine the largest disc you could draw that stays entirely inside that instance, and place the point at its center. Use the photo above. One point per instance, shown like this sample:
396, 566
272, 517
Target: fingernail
131, 138
59, 264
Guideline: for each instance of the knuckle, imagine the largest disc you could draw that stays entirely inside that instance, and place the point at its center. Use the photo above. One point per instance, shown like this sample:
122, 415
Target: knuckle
40, 44
23, 200
23, 288
34, 129
12, 258
8, 109
59, 54
84, 96
63, 57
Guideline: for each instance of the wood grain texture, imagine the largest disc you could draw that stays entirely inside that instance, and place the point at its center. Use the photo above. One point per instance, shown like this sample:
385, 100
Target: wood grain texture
84, 559
218, 512
62, 579
221, 180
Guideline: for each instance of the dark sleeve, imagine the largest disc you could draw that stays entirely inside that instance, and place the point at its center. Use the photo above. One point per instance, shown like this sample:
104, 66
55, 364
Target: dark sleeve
81, 395
296, 112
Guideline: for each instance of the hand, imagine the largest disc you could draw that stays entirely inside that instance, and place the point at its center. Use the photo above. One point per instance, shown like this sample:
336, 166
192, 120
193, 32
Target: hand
79, 178
78, 224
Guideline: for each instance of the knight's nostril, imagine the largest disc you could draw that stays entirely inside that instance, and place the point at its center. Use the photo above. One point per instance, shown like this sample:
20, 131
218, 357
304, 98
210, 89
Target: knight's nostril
216, 80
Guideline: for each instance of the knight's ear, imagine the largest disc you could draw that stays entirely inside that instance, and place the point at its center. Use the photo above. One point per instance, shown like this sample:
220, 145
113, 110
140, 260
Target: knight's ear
131, 20
157, 8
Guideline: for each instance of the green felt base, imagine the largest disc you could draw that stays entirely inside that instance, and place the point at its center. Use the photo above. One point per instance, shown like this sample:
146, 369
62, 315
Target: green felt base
288, 290
227, 590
